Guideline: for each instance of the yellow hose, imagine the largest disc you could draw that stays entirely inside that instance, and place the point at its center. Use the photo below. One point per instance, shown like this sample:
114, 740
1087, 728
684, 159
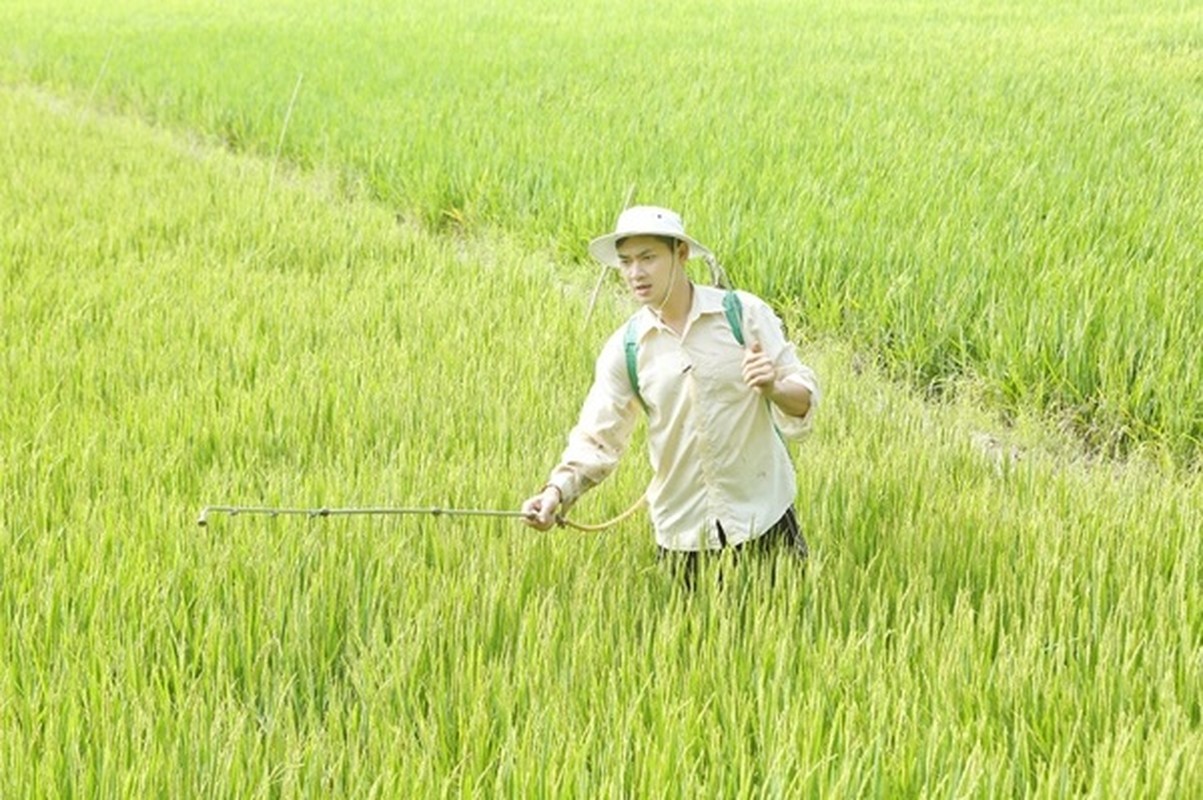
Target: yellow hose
565, 522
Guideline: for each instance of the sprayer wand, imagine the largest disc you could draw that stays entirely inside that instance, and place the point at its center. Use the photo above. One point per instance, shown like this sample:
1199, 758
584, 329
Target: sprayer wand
233, 511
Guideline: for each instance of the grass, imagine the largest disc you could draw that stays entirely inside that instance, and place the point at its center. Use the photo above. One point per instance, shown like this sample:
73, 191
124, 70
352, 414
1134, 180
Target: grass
1027, 169
988, 610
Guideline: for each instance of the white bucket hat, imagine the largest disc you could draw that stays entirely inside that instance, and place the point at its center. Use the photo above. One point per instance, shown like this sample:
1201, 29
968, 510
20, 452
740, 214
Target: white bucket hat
644, 221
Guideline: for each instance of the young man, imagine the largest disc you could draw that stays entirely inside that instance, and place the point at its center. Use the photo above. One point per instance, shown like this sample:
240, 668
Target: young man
718, 411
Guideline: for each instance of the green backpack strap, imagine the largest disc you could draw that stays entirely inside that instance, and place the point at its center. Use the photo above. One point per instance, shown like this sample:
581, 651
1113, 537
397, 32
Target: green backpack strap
735, 315
734, 310
631, 345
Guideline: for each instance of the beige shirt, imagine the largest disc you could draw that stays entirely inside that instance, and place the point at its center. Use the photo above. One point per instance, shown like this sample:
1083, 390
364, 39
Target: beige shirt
715, 455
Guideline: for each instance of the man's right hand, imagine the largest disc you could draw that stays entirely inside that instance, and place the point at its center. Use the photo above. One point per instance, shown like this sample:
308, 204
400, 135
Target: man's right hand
540, 510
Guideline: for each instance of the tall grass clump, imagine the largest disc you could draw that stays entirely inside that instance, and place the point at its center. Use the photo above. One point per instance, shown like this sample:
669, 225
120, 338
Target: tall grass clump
982, 615
1003, 195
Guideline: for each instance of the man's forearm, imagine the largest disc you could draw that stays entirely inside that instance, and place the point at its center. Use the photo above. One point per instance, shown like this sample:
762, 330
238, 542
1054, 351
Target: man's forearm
791, 397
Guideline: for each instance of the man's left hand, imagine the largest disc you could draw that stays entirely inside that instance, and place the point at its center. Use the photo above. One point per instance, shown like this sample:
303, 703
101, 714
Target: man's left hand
759, 372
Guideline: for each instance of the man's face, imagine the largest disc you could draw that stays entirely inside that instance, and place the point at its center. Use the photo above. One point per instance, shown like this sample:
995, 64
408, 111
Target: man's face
647, 264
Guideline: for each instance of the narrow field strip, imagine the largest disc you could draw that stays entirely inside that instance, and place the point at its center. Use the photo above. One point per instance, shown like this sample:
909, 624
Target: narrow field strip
987, 612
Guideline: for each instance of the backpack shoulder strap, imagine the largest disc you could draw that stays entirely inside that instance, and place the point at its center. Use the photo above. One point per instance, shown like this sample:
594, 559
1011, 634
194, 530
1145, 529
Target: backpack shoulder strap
734, 310
630, 344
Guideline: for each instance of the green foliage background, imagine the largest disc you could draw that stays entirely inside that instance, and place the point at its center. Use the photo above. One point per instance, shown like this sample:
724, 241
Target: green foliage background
384, 306
1007, 191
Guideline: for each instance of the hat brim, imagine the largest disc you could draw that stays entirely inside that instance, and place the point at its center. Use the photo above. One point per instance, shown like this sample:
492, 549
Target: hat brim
605, 248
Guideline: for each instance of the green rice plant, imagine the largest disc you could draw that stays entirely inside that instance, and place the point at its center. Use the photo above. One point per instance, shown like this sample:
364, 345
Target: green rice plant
1003, 193
987, 611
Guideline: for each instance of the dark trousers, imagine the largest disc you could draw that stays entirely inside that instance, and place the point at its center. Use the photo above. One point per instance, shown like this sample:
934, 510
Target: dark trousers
785, 534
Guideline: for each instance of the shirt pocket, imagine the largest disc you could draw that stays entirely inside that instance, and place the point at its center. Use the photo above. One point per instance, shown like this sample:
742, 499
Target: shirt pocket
720, 372
663, 374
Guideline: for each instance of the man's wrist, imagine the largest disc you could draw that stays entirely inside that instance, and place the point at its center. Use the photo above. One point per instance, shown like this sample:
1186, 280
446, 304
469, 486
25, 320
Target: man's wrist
778, 392
791, 397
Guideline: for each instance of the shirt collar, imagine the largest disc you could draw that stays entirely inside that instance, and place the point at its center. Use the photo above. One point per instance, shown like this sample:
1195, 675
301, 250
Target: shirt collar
706, 300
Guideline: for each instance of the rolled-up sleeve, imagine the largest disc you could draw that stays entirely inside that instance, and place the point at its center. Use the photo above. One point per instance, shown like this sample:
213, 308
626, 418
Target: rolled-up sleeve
603, 430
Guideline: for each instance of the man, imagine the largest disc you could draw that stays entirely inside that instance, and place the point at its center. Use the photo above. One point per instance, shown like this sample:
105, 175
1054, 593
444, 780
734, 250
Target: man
718, 411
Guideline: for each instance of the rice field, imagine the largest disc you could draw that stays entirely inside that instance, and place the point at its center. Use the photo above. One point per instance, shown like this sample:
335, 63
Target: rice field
297, 254
1028, 168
